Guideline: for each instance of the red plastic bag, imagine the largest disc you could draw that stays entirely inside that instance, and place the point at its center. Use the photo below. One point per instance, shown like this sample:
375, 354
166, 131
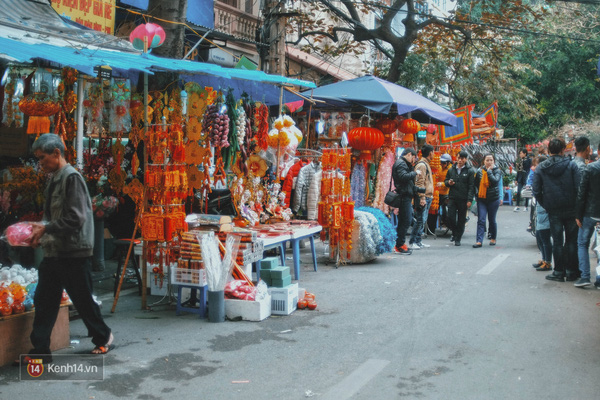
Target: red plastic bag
19, 234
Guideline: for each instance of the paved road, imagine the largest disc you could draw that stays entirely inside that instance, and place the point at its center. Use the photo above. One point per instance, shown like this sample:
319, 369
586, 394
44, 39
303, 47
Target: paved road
445, 323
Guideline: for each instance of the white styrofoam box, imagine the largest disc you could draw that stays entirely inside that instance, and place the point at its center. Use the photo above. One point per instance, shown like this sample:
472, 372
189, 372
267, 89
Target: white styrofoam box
189, 277
158, 286
284, 301
248, 310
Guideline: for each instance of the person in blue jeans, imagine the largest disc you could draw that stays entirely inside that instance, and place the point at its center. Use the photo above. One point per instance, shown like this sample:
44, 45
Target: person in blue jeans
587, 216
486, 184
424, 179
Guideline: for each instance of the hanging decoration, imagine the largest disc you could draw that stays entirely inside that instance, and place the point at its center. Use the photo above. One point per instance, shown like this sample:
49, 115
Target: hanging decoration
147, 36
39, 107
409, 126
365, 139
11, 114
384, 178
93, 105
335, 212
120, 96
261, 125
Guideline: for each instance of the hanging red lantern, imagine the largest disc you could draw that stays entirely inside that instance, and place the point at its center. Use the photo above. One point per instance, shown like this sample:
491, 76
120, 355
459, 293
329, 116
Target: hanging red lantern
154, 34
387, 126
410, 126
365, 139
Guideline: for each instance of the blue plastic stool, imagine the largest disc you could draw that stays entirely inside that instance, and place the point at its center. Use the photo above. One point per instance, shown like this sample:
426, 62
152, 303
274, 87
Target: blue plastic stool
508, 196
201, 310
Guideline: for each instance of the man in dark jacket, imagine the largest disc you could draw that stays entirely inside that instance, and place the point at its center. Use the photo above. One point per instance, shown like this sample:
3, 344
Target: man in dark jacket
587, 214
555, 185
67, 237
522, 166
404, 182
460, 181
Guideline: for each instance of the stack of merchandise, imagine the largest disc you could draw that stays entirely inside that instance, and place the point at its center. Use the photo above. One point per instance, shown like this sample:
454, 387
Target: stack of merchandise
273, 274
190, 268
251, 248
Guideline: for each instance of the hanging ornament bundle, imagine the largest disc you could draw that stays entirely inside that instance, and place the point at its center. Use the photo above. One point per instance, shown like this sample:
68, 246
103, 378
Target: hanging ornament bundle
336, 208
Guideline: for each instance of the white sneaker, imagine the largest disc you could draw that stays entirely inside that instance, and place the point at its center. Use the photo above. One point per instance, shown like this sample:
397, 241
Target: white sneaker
425, 245
415, 246
525, 209
517, 209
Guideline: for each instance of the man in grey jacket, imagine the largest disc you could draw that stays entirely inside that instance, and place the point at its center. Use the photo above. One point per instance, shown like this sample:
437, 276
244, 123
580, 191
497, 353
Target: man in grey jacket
67, 238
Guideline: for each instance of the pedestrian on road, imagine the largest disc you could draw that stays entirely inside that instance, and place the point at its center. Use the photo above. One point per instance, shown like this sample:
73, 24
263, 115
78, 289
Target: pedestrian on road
543, 236
587, 217
522, 166
67, 237
404, 176
459, 179
583, 151
555, 185
486, 184
443, 190
423, 202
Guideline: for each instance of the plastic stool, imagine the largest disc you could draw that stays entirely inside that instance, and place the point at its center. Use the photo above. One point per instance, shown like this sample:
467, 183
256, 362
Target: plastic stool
201, 310
122, 246
508, 196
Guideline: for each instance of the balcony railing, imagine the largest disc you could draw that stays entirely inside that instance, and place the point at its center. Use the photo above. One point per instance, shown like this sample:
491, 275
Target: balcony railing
235, 22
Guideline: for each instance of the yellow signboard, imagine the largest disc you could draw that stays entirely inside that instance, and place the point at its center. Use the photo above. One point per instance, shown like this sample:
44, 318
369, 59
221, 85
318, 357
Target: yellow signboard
98, 15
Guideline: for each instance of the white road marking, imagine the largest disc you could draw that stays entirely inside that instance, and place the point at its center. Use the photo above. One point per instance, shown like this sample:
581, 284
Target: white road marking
356, 380
491, 266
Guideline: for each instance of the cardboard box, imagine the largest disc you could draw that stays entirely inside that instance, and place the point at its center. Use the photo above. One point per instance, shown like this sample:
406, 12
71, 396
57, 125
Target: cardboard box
284, 301
15, 331
248, 310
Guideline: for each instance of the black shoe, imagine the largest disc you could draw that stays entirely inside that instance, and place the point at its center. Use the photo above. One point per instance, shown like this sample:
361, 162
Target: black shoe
538, 264
556, 278
544, 267
477, 245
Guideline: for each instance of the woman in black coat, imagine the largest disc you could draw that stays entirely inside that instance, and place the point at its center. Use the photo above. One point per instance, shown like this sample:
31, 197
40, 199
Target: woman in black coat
486, 183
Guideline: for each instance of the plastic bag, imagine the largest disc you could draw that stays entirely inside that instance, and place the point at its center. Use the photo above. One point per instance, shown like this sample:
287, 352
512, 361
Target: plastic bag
19, 234
240, 290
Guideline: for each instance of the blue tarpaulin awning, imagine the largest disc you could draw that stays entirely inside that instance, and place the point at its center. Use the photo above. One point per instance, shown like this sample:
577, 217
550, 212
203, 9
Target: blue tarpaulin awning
85, 59
199, 12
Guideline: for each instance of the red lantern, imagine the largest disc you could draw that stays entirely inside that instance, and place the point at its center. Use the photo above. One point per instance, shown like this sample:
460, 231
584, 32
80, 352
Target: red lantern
431, 129
387, 126
365, 139
410, 126
154, 34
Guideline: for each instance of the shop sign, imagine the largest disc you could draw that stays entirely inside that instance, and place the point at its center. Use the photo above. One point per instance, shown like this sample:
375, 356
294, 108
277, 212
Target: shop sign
98, 15
13, 142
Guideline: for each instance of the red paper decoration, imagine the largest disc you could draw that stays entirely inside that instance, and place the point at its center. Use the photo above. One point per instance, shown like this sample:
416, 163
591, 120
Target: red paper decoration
154, 33
387, 126
410, 127
365, 139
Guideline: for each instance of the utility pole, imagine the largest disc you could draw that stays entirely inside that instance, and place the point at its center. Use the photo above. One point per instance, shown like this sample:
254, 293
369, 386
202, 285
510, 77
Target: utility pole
273, 34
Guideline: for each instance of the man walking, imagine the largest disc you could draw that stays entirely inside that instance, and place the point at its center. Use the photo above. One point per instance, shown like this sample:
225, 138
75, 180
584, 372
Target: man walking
424, 179
555, 185
443, 190
587, 217
459, 179
67, 237
404, 182
523, 166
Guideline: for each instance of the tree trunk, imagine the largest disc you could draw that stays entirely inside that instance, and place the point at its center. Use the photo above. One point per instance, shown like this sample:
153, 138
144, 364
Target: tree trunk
170, 10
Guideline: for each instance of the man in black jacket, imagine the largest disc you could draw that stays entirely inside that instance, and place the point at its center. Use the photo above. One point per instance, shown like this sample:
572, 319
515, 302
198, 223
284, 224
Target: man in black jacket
460, 181
404, 182
523, 166
555, 185
587, 214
